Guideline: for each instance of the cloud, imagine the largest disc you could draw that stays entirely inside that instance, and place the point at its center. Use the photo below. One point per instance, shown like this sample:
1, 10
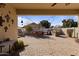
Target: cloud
55, 20
25, 21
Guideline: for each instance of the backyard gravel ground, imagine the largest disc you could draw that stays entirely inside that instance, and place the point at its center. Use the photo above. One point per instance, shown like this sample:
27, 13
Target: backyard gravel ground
49, 46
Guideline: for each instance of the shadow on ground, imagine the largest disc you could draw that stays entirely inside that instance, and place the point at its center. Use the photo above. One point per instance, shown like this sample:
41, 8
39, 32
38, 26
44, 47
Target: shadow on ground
39, 36
77, 40
42, 37
17, 53
62, 36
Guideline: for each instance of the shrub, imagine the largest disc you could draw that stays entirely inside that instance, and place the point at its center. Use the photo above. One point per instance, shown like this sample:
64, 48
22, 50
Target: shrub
70, 32
18, 45
29, 28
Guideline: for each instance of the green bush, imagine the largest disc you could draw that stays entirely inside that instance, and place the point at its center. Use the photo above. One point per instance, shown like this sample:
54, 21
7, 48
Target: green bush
18, 45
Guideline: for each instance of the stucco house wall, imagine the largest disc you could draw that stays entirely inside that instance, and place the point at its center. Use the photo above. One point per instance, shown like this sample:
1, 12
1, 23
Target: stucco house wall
8, 29
8, 24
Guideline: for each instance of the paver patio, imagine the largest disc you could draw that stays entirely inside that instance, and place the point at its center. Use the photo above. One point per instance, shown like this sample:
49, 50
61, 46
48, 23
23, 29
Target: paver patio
52, 46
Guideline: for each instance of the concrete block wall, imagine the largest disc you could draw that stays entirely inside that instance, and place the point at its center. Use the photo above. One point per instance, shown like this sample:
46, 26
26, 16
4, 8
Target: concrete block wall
74, 33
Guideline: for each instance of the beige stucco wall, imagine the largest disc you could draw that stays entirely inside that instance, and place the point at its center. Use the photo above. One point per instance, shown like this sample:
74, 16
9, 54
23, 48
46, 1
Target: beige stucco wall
12, 28
75, 31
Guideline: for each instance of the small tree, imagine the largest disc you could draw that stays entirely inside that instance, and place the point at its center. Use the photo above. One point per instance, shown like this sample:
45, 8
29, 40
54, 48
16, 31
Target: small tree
64, 23
45, 23
69, 23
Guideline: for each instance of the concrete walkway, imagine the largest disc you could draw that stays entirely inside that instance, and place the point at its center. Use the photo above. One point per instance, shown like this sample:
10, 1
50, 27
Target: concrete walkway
51, 46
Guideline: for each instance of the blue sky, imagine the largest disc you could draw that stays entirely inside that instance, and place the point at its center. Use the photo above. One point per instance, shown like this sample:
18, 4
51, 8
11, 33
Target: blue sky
54, 20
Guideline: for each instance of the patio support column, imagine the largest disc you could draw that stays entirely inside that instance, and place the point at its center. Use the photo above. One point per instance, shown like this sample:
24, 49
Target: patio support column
8, 22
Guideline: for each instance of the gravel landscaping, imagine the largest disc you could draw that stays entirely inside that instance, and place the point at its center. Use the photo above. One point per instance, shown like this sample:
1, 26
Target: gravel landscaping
51, 46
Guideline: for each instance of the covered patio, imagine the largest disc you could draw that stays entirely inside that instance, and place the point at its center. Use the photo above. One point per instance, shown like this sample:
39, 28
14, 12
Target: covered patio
8, 24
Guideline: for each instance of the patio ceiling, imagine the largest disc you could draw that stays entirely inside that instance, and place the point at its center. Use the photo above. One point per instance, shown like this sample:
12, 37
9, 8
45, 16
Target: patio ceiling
45, 8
